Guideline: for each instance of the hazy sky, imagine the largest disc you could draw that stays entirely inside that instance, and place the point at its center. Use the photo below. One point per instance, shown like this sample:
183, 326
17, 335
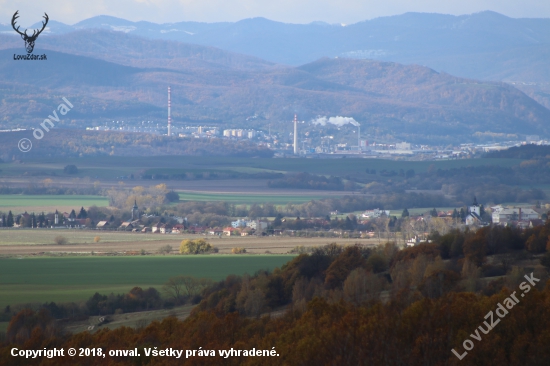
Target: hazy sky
291, 11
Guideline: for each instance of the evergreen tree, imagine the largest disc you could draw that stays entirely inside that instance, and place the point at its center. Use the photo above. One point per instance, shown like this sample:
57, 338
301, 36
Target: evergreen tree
433, 212
82, 214
405, 213
72, 215
9, 221
41, 220
348, 225
278, 220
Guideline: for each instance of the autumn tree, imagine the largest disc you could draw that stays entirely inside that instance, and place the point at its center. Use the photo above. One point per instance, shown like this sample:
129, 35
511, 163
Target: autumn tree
198, 246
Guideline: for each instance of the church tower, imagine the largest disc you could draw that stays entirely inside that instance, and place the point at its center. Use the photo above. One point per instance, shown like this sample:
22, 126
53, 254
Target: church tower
135, 211
56, 219
474, 208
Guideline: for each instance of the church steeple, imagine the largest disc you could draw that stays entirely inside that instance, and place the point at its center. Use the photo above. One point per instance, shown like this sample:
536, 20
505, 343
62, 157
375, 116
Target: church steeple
135, 211
475, 208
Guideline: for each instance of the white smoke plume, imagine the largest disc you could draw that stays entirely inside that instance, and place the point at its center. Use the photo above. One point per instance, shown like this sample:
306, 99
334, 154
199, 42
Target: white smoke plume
338, 121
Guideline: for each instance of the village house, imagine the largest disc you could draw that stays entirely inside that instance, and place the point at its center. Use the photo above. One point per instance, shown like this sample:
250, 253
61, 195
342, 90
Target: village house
230, 231
102, 225
177, 229
165, 229
156, 228
215, 232
126, 226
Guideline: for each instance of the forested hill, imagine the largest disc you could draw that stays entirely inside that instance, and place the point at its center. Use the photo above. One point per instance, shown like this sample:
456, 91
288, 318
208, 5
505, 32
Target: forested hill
522, 152
349, 305
412, 103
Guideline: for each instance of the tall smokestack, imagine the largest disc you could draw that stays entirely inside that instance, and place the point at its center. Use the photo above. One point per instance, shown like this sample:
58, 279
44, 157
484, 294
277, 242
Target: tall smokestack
169, 115
295, 135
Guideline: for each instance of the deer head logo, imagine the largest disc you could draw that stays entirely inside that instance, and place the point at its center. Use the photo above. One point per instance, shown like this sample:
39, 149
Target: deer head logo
29, 40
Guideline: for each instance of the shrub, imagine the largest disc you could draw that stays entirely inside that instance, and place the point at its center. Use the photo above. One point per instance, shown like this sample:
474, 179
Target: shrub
198, 246
172, 196
238, 250
70, 169
60, 240
97, 239
167, 249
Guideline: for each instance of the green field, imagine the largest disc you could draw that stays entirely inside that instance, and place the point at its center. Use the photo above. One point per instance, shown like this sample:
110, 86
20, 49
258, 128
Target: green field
53, 201
246, 198
44, 279
112, 167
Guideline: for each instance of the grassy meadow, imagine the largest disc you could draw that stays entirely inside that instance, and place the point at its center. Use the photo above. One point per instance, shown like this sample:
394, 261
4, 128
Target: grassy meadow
49, 202
41, 279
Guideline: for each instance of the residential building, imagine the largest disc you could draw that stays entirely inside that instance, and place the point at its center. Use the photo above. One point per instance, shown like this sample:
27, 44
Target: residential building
156, 228
238, 223
257, 224
375, 213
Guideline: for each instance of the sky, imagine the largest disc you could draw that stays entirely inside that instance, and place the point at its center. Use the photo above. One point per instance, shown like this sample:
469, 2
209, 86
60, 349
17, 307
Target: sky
289, 11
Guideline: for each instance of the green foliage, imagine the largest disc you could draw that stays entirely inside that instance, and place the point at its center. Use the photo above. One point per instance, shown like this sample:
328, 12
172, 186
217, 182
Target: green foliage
308, 181
172, 196
70, 169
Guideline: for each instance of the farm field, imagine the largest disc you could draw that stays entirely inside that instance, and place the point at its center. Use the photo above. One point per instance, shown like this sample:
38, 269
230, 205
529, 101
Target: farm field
250, 198
113, 167
41, 279
49, 203
74, 236
28, 242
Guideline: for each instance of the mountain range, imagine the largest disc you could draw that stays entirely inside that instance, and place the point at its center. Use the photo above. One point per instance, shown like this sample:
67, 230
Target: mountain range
460, 45
273, 70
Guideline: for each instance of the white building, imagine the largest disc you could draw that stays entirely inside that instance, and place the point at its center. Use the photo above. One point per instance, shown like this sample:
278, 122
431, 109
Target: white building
372, 214
403, 146
474, 214
239, 223
257, 225
503, 215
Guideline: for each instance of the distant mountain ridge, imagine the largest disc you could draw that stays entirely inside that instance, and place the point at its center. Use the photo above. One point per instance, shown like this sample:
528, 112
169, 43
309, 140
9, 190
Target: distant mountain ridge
114, 75
466, 45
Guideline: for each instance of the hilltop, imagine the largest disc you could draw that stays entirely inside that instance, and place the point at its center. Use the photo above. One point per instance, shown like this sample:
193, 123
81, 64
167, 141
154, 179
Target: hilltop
111, 75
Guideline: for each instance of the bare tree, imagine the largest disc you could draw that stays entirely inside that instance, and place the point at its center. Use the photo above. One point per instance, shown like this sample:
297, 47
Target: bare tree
180, 286
174, 288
